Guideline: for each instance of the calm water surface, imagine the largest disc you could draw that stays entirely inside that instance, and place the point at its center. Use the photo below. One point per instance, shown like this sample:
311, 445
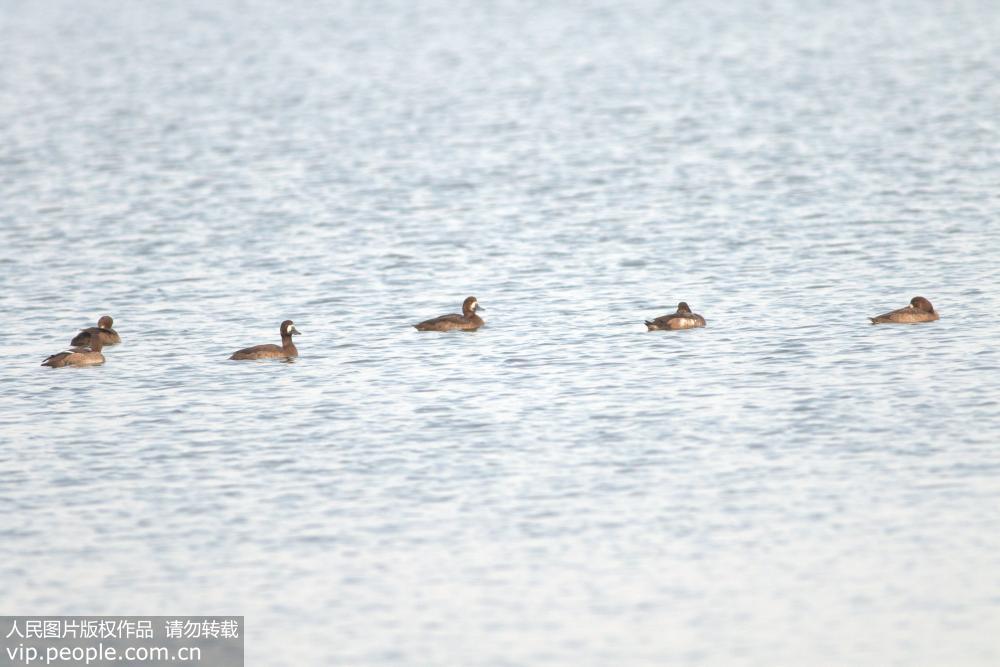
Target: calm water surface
788, 486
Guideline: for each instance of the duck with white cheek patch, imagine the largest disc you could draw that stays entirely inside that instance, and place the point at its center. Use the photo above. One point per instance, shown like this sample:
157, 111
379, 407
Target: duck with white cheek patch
467, 321
286, 350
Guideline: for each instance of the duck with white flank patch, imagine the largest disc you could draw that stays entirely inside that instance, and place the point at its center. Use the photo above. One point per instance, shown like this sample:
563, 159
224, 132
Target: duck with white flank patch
682, 319
78, 356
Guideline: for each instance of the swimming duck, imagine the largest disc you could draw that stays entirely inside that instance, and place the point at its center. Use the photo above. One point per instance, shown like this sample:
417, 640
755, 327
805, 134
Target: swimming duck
919, 310
467, 321
682, 319
103, 330
271, 351
78, 356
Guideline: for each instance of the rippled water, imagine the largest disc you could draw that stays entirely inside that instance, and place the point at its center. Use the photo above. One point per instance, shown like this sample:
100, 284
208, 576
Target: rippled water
788, 486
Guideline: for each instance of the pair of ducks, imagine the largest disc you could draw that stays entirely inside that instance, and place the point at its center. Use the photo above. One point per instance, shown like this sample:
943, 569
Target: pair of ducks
919, 310
467, 321
87, 344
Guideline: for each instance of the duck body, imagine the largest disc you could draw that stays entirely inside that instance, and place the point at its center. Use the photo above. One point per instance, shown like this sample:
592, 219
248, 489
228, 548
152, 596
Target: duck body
467, 321
268, 351
682, 319
77, 356
286, 350
103, 331
919, 310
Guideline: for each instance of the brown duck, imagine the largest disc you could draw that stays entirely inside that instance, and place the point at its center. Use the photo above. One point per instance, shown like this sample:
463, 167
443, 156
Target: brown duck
286, 350
103, 331
78, 356
682, 319
919, 310
467, 321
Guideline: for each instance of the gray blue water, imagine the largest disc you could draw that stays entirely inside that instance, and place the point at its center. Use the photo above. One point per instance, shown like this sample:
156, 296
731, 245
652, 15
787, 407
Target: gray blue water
788, 486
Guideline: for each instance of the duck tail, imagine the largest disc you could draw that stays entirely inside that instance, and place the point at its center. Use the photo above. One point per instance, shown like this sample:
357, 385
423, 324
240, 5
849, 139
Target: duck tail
651, 326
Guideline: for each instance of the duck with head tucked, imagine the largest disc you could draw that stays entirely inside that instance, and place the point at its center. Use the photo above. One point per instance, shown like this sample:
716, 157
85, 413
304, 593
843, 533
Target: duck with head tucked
467, 321
78, 356
103, 331
286, 350
919, 310
682, 319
